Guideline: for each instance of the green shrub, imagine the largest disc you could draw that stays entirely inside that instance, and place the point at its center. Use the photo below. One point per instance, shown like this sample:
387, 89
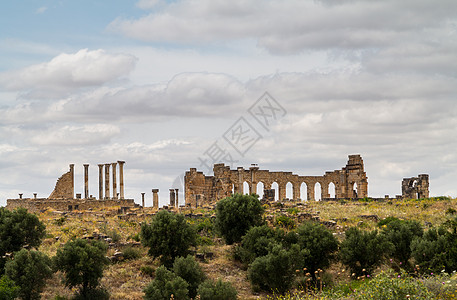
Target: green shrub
168, 236
131, 253
219, 290
189, 270
29, 270
257, 242
392, 286
236, 214
436, 251
8, 289
401, 233
93, 294
17, 229
165, 284
274, 271
285, 222
364, 250
82, 262
319, 243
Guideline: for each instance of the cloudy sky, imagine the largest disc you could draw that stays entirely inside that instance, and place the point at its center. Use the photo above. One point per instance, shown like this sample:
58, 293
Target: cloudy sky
164, 85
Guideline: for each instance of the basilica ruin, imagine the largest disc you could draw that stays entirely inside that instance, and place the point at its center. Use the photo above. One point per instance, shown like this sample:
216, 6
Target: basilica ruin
63, 196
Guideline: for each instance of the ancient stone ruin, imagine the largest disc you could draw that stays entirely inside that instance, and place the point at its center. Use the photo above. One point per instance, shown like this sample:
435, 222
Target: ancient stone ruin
415, 187
63, 196
350, 182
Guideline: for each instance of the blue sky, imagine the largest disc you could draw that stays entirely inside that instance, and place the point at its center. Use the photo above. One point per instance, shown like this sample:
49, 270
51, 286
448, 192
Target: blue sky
156, 83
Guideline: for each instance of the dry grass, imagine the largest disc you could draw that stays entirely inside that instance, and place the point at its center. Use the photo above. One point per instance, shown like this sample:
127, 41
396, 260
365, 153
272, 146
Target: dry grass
124, 280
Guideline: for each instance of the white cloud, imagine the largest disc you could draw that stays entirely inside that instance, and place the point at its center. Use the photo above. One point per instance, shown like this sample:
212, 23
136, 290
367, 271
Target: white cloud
67, 72
41, 10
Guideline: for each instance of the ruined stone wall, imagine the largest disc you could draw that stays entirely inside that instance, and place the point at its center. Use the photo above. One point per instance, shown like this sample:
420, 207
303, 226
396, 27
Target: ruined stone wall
65, 186
350, 182
415, 187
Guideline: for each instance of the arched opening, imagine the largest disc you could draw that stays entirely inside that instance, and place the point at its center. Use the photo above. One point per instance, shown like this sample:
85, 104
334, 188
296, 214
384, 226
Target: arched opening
275, 187
331, 190
304, 191
289, 190
317, 191
233, 189
354, 191
260, 188
246, 188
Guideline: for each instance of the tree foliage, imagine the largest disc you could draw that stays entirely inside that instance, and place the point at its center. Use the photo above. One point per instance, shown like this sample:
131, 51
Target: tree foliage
236, 214
8, 289
82, 262
165, 284
219, 290
188, 269
29, 270
364, 250
17, 229
168, 236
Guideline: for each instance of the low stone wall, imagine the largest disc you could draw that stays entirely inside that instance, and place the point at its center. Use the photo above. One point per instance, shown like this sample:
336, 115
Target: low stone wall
39, 204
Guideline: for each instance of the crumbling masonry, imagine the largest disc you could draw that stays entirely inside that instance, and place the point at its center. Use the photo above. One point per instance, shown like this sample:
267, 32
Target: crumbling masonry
415, 187
63, 197
350, 182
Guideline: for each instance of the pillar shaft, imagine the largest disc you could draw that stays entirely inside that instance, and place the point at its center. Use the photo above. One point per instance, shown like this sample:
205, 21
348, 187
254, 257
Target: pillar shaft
114, 181
142, 198
72, 172
172, 197
155, 198
121, 178
86, 181
100, 181
107, 193
176, 197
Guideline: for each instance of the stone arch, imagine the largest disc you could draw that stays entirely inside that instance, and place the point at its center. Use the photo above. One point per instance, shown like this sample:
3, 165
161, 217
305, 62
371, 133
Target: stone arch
289, 190
304, 191
355, 190
332, 190
275, 186
318, 191
259, 189
246, 189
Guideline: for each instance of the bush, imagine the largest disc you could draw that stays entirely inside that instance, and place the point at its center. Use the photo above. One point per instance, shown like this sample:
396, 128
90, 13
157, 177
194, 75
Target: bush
364, 250
257, 242
83, 263
17, 229
401, 233
93, 294
435, 251
131, 253
392, 286
165, 284
8, 290
285, 222
168, 236
219, 290
274, 271
29, 271
189, 270
236, 214
147, 270
319, 243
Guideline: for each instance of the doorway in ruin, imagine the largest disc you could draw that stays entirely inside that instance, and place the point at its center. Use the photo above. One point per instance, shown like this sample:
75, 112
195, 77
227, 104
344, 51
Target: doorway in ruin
303, 191
246, 188
260, 188
317, 192
354, 191
289, 191
331, 190
275, 187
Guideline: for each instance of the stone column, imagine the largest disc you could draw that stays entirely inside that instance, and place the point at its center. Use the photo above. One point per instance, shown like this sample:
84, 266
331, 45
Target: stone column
114, 181
155, 198
253, 186
281, 191
296, 190
86, 181
172, 197
107, 193
72, 172
34, 195
142, 198
100, 181
176, 197
121, 178
240, 180
20, 196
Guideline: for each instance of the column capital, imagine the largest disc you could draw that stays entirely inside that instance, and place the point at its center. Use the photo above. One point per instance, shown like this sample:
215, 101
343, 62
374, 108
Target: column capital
155, 190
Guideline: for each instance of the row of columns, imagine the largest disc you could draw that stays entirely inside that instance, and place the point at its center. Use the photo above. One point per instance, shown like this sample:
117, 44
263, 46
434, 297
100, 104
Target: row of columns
174, 200
106, 180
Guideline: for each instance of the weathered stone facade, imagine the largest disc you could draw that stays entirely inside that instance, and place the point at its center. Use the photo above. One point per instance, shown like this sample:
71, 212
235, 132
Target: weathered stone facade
415, 187
63, 197
350, 182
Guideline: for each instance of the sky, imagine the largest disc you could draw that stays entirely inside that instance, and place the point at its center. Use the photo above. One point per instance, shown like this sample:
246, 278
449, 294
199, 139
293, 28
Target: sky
167, 85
